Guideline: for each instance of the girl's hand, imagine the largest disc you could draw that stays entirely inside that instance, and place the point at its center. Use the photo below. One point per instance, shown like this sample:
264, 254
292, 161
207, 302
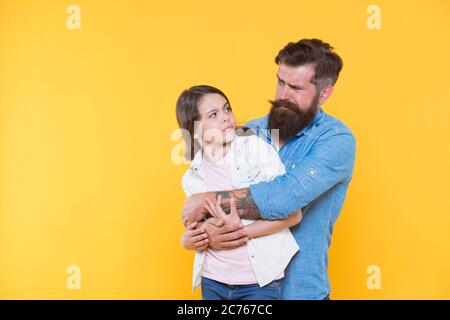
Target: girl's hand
194, 239
216, 211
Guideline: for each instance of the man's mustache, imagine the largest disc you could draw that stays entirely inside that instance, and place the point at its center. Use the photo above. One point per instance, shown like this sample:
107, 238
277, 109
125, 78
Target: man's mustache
282, 103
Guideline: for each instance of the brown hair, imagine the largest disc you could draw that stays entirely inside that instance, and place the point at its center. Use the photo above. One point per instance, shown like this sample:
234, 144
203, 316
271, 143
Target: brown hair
327, 64
187, 114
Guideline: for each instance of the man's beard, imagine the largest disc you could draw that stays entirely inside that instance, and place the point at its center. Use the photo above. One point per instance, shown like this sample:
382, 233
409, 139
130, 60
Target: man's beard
289, 119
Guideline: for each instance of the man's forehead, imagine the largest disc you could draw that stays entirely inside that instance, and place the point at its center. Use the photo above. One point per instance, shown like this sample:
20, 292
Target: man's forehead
300, 74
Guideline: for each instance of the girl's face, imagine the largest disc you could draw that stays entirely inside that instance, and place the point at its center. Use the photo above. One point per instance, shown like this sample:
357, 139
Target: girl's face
217, 124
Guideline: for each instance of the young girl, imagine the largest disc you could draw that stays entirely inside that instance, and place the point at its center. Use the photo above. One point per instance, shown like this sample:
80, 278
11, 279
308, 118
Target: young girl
222, 160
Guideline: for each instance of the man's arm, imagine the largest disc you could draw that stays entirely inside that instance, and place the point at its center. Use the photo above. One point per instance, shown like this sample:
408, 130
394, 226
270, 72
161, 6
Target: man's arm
329, 162
246, 206
194, 208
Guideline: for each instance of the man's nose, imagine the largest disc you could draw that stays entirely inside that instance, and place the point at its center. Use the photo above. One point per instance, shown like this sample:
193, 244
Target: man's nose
285, 93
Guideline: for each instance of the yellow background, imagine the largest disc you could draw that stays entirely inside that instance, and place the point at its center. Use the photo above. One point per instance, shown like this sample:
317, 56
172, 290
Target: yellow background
86, 117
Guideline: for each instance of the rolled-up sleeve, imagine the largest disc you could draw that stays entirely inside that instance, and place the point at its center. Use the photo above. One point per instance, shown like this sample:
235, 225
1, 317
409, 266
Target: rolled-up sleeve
330, 161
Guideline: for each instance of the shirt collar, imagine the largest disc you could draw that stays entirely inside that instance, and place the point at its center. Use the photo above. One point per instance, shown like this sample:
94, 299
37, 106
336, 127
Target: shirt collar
317, 119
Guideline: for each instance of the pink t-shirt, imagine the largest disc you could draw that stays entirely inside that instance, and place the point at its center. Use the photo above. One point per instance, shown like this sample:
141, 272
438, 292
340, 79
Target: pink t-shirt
228, 266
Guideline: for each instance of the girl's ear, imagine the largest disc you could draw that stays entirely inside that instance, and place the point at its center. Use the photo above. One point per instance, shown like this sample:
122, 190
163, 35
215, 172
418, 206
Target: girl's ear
197, 129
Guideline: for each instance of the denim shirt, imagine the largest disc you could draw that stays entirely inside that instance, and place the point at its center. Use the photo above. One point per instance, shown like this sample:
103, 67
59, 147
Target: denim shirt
319, 164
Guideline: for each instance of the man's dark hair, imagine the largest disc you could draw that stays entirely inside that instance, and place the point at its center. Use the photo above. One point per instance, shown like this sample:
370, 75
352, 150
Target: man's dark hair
187, 114
327, 64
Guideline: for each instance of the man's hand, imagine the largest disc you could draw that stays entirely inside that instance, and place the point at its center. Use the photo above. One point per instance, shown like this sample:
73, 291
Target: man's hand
224, 231
194, 239
194, 208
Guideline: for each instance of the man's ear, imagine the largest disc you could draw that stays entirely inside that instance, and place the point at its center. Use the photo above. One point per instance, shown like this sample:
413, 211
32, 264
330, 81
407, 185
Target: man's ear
325, 94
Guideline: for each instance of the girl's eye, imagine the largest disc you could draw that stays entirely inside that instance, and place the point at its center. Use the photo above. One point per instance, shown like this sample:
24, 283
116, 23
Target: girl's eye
212, 115
228, 109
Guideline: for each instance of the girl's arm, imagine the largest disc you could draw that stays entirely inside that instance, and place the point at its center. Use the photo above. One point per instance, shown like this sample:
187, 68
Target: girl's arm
264, 227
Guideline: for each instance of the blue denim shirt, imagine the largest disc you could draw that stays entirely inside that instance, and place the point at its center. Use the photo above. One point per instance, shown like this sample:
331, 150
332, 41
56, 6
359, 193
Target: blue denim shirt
319, 164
